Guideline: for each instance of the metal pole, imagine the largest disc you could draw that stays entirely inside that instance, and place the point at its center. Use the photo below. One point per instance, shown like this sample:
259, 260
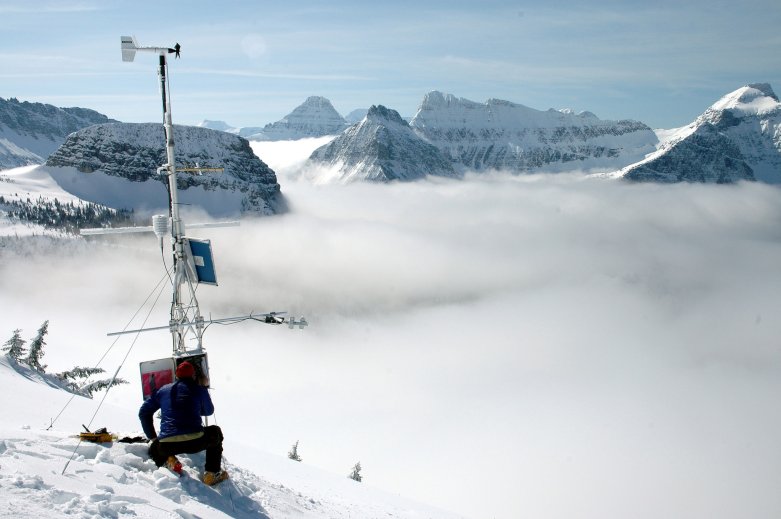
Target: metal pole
181, 322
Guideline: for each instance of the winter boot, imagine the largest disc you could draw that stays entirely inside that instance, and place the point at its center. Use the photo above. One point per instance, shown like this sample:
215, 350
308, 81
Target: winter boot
212, 478
173, 463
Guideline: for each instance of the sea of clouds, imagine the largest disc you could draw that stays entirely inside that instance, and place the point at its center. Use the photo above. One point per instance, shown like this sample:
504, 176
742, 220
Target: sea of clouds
548, 346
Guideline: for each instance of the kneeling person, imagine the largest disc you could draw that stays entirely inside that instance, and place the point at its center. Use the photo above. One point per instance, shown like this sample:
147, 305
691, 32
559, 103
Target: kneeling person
182, 403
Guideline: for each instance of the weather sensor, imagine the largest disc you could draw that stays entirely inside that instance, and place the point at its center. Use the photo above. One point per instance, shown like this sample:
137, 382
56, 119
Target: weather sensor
192, 258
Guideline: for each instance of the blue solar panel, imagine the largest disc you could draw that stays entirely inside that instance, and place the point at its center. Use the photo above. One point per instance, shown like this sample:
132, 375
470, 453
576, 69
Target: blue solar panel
204, 261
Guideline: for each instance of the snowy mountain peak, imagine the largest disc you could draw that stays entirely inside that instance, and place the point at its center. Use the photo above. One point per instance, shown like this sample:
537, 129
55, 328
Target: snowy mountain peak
315, 108
215, 125
437, 99
381, 114
737, 138
753, 99
380, 148
315, 117
316, 103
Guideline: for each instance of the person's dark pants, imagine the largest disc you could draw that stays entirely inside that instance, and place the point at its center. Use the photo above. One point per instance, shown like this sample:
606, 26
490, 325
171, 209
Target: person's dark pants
211, 442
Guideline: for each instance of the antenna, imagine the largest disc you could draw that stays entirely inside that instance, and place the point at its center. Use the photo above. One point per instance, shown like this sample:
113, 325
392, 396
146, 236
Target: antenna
193, 259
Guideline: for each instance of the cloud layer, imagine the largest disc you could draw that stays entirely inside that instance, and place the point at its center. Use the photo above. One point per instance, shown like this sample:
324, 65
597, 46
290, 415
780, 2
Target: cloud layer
535, 346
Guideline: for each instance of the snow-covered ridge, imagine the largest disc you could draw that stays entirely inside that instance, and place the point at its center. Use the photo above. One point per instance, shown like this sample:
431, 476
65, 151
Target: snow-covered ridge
500, 134
380, 148
737, 138
438, 110
29, 132
109, 163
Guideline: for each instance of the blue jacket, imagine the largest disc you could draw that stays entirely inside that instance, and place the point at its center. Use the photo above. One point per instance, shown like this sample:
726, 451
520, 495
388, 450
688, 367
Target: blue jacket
182, 403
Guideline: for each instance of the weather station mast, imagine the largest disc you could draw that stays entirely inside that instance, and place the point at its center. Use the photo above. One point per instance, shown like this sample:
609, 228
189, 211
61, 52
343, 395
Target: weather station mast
185, 317
193, 261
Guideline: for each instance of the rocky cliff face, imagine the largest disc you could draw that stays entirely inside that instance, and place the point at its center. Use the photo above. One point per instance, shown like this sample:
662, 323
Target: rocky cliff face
738, 138
506, 136
380, 148
316, 117
109, 163
29, 132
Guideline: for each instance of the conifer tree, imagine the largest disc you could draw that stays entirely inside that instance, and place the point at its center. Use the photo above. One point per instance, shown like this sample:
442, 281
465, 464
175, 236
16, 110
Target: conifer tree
78, 373
293, 454
36, 348
15, 345
356, 473
76, 380
100, 385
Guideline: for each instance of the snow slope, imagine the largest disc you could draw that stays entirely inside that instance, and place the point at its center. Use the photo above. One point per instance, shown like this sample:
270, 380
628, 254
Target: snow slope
33, 183
18, 149
29, 132
119, 479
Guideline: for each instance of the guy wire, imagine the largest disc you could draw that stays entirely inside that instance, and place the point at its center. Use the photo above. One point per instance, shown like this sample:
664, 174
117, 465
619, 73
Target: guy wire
113, 378
110, 348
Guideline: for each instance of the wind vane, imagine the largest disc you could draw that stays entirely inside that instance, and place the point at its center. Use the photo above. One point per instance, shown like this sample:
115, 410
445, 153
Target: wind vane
192, 258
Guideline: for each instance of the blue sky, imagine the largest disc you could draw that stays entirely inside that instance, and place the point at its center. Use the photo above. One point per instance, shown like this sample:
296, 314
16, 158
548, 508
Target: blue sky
251, 62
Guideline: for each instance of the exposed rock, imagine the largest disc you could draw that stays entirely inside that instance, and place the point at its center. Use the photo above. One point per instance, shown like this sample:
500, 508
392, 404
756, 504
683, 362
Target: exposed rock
133, 152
